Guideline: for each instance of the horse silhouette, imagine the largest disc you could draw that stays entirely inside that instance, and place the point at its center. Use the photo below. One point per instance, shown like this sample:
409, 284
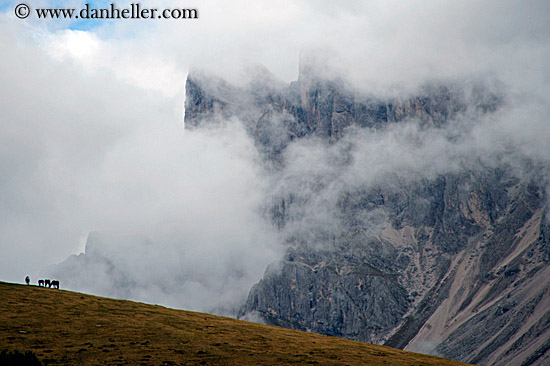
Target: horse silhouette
27, 280
55, 284
40, 283
47, 283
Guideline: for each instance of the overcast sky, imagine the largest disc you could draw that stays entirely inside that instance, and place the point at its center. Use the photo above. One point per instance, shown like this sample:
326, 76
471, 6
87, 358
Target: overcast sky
91, 129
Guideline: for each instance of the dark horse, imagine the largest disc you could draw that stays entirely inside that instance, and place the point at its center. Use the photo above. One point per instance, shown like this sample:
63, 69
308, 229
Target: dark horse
47, 283
55, 284
27, 280
40, 282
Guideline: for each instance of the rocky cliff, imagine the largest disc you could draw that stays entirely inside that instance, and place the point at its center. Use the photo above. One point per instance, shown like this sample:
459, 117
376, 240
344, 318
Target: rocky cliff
442, 247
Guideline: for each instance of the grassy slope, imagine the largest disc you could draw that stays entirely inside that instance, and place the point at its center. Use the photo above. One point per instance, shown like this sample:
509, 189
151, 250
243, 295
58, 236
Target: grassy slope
68, 328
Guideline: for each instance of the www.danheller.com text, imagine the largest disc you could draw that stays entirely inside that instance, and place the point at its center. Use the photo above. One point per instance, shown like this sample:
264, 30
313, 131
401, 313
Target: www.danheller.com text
133, 11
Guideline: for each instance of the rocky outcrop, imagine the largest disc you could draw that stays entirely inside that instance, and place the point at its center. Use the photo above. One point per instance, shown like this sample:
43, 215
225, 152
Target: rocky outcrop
356, 301
275, 114
454, 262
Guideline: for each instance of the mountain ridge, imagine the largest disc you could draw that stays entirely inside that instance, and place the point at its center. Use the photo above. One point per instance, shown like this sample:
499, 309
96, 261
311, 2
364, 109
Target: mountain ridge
456, 240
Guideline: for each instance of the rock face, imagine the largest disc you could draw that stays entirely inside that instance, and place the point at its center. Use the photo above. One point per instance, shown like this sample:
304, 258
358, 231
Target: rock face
450, 258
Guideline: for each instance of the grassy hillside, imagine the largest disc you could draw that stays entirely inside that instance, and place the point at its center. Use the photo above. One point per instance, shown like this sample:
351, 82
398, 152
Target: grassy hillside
68, 328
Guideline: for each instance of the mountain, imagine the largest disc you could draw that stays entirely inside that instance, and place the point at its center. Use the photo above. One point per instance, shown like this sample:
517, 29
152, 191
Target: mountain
60, 327
409, 220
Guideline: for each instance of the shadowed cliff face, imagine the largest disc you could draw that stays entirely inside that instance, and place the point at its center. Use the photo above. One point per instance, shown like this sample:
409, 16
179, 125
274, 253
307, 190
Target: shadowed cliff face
404, 223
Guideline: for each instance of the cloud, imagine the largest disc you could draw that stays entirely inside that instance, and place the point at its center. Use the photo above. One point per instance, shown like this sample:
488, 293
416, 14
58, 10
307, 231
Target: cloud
82, 151
91, 129
386, 161
179, 222
376, 44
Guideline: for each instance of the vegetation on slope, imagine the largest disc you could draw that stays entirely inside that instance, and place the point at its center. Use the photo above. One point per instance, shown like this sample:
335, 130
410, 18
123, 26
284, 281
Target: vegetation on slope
68, 328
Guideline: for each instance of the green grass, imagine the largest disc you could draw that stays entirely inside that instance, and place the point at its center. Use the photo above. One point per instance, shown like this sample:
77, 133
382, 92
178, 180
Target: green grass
69, 328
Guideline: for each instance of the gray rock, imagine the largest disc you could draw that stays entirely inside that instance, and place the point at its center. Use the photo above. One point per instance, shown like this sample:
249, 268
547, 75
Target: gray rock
459, 260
